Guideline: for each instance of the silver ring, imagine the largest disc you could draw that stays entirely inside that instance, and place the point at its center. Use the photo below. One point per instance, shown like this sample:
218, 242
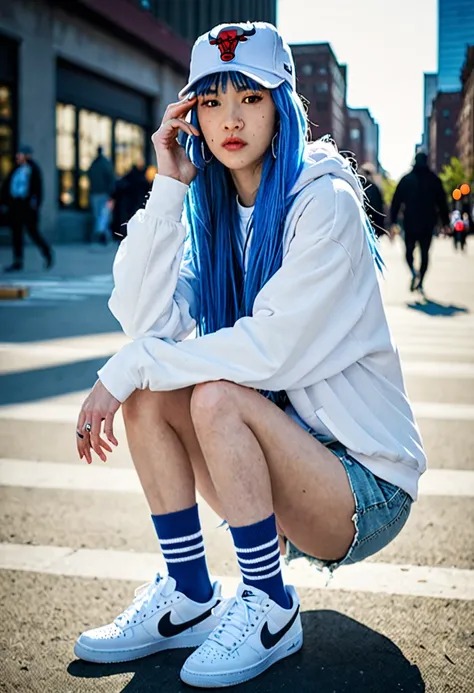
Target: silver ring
88, 427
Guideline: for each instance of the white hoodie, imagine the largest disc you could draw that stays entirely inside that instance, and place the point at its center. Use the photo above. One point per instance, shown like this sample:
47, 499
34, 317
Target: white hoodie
318, 328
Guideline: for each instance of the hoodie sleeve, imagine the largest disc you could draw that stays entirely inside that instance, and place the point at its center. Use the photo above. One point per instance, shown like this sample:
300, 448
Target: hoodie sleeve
154, 288
301, 321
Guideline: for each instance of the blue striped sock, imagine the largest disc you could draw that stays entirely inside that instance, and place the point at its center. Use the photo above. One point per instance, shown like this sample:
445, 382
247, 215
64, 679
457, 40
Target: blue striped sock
258, 554
182, 545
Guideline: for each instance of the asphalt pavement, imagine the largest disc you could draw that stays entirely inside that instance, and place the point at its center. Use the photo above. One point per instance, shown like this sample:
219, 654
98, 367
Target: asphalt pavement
75, 541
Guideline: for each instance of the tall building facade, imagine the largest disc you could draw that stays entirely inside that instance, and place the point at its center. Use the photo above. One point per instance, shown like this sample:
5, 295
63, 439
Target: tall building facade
466, 115
443, 129
191, 18
430, 84
75, 76
455, 33
321, 80
364, 136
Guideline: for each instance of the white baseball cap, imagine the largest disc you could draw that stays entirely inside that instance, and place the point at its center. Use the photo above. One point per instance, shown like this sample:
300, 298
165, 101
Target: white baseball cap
255, 49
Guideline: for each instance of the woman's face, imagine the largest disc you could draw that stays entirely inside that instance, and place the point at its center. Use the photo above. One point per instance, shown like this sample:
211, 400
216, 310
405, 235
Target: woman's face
238, 126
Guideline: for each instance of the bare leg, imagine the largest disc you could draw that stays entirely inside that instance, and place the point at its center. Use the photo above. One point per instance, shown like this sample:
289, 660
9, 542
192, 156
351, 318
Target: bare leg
261, 461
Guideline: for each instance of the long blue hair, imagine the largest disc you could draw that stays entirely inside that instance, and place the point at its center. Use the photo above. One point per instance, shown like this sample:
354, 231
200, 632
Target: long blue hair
226, 291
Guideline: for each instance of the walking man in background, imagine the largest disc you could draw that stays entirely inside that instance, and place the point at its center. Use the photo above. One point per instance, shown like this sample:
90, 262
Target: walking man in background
422, 195
21, 195
102, 184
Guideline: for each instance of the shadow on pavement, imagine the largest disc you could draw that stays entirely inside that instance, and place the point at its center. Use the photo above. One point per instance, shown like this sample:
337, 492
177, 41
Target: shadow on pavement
340, 655
33, 385
437, 309
32, 323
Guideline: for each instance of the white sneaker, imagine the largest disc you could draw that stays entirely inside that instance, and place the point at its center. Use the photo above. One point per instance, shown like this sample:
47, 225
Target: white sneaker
159, 618
254, 632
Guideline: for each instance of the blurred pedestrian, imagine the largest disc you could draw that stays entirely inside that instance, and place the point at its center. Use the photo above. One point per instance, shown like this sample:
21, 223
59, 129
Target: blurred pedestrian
374, 200
129, 196
460, 228
102, 184
21, 195
422, 195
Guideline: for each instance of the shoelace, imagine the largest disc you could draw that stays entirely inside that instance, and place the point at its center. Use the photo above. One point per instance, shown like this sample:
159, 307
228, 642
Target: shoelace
143, 596
237, 617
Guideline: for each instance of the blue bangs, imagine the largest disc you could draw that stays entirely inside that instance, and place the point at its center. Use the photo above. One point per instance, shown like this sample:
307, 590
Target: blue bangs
226, 291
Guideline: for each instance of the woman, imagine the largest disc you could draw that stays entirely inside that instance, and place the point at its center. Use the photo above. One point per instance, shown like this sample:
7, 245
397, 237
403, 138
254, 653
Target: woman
289, 407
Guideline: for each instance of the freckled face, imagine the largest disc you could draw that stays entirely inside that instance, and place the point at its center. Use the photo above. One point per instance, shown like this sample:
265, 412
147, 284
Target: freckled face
238, 126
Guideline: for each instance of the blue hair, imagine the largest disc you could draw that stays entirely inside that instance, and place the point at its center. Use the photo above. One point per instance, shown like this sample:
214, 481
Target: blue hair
226, 291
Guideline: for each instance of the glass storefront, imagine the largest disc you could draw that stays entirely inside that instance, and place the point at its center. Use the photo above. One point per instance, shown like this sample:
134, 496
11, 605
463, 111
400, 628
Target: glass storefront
6, 131
79, 132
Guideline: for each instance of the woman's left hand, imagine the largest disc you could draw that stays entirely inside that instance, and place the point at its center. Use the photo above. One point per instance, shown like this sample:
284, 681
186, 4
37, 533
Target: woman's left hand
99, 406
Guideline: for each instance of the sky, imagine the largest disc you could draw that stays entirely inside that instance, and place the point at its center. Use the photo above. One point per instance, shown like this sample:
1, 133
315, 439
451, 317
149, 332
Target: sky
387, 46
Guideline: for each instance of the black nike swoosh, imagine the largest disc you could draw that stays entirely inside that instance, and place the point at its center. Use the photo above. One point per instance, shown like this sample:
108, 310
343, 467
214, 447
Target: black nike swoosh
269, 640
167, 629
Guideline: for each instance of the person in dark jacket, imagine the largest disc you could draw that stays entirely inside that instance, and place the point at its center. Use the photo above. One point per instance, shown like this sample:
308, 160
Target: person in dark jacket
129, 196
374, 200
21, 195
422, 195
102, 183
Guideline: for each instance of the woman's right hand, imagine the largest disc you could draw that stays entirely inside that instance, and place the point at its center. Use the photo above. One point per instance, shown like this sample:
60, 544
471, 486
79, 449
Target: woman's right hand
171, 156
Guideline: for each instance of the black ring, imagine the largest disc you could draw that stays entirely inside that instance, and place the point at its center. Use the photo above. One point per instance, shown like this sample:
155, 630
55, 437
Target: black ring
79, 434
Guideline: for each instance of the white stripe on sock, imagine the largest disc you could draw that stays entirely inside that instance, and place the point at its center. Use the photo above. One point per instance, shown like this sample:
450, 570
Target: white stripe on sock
260, 559
262, 577
261, 569
257, 548
193, 547
179, 540
184, 559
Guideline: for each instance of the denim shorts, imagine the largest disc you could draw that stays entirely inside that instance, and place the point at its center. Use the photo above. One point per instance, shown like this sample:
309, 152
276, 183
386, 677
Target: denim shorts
381, 510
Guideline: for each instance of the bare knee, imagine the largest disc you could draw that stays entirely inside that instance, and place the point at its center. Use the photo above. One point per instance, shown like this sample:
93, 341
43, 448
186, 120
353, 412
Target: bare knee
211, 400
145, 405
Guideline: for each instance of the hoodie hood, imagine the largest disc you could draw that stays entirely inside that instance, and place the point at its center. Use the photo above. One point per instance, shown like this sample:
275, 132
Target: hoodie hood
322, 158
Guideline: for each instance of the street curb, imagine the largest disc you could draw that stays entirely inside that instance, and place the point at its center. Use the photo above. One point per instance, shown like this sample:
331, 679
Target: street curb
15, 292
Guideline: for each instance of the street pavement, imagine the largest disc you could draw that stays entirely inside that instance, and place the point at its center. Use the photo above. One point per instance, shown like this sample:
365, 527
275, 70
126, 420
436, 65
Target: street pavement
75, 541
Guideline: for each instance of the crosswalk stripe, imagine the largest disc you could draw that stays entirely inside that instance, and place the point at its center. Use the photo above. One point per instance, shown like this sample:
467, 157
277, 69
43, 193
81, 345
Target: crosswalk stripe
378, 578
83, 477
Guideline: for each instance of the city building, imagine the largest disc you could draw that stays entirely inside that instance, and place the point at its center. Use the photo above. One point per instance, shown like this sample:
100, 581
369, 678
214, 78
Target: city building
364, 136
466, 115
76, 75
443, 129
191, 18
430, 83
455, 33
322, 82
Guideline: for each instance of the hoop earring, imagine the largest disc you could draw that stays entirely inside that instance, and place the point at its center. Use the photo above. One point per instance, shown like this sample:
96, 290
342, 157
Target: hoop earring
274, 140
203, 154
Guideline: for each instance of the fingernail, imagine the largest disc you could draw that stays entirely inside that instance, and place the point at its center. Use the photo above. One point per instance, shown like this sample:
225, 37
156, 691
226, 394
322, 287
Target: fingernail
191, 95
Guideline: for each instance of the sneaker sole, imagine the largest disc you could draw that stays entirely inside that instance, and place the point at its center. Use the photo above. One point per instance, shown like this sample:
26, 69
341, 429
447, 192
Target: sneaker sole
88, 654
232, 678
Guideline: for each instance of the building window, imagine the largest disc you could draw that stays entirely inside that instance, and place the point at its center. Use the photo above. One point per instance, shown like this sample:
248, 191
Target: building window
129, 146
355, 134
79, 132
322, 87
66, 153
307, 69
445, 113
448, 132
322, 70
6, 131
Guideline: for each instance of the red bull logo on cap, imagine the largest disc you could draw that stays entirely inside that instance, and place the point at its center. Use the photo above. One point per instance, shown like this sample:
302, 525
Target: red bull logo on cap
227, 40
